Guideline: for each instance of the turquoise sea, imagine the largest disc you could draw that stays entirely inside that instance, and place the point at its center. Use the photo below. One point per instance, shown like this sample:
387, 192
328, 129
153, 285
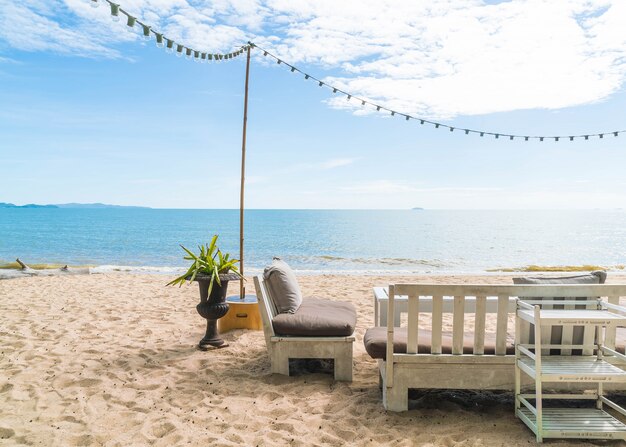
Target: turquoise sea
317, 241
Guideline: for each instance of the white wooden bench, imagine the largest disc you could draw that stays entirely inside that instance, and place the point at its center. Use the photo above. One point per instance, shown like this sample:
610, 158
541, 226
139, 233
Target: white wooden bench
281, 348
458, 370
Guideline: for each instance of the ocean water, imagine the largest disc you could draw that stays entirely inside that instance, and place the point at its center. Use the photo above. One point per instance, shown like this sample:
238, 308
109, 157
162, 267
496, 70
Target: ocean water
316, 241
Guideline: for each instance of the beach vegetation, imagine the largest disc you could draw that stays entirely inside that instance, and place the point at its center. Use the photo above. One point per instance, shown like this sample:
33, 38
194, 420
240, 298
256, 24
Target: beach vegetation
209, 263
557, 268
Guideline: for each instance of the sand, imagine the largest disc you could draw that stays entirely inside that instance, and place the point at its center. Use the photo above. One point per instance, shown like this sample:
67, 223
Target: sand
111, 359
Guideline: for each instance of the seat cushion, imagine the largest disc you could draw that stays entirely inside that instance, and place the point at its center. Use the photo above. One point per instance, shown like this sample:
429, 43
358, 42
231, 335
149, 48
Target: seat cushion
375, 341
283, 286
317, 318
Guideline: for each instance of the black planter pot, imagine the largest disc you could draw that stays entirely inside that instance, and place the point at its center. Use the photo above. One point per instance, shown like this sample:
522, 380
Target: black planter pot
213, 307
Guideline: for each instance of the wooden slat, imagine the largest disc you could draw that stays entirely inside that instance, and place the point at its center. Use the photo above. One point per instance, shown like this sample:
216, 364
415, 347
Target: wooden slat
538, 386
613, 405
525, 330
577, 317
426, 304
590, 333
539, 291
377, 304
546, 332
264, 309
389, 356
531, 346
501, 326
289, 338
456, 359
589, 337
479, 325
458, 324
611, 332
437, 321
413, 320
614, 354
270, 305
567, 334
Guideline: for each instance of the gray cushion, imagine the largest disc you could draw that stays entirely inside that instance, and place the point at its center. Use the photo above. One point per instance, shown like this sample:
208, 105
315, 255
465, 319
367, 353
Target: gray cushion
375, 341
283, 286
589, 278
318, 318
556, 335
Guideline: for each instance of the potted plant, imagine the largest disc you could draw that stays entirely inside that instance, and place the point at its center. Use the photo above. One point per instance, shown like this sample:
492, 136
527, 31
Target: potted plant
212, 270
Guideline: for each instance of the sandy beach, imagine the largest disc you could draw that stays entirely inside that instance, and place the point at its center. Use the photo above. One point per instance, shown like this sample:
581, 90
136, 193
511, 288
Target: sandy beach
111, 359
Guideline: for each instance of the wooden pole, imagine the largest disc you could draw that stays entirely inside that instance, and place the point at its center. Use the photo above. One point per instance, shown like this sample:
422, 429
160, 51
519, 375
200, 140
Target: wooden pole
242, 288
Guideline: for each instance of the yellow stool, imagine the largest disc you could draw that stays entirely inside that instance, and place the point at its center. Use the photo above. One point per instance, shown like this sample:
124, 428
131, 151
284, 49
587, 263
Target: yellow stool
242, 314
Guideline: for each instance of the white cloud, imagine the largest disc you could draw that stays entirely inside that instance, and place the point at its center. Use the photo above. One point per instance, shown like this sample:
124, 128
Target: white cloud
393, 187
332, 163
34, 26
436, 60
379, 187
8, 60
337, 162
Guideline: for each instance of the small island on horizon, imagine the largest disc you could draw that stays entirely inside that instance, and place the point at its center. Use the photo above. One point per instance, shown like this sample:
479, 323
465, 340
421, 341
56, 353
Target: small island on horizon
417, 208
69, 205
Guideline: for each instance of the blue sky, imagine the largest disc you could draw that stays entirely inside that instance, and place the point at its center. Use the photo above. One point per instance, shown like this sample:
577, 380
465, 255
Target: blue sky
90, 112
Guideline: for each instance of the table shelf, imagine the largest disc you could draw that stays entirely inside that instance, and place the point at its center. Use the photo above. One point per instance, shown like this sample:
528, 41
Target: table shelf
574, 317
568, 368
578, 423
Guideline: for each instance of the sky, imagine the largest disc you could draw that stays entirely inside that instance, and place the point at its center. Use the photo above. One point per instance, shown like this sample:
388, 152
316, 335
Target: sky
92, 112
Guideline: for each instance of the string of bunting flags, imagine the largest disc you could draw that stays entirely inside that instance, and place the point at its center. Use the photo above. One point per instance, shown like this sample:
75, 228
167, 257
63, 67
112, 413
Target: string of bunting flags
379, 108
201, 56
163, 41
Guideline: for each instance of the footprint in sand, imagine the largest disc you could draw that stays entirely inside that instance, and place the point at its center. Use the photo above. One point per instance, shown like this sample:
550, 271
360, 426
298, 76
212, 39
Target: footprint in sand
87, 383
6, 433
270, 395
82, 440
71, 419
163, 429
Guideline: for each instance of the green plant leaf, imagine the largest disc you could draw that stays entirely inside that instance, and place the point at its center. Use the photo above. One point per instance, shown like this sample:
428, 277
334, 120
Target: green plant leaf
210, 261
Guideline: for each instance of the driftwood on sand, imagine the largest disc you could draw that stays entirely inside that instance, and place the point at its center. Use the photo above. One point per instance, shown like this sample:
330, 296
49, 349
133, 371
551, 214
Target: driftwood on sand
26, 270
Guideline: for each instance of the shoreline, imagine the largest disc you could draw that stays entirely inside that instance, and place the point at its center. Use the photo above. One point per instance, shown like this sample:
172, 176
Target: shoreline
8, 271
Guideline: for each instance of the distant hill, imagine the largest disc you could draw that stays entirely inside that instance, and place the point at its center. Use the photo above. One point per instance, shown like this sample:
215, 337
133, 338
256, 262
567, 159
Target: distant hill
94, 205
417, 208
68, 205
30, 205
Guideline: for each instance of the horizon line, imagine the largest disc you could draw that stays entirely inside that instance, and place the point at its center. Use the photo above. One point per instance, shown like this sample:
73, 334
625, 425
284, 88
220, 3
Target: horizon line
114, 206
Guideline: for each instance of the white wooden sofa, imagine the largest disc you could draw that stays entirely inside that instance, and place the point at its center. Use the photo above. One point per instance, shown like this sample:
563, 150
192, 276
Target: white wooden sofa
450, 361
281, 348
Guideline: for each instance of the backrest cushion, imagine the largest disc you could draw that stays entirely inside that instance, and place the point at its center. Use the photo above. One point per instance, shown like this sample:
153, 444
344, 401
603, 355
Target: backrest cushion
283, 286
556, 337
589, 278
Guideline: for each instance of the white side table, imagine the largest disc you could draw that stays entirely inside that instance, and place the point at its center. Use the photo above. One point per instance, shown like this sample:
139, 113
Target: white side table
381, 303
594, 369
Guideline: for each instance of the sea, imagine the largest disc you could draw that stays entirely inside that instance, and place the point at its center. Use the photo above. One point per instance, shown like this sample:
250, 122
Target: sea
318, 241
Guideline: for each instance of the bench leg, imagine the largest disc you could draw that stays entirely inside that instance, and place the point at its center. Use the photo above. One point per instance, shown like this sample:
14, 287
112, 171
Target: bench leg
343, 362
396, 398
279, 358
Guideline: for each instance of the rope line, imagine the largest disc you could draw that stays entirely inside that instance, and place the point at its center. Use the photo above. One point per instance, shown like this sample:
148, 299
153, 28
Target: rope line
366, 102
163, 41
